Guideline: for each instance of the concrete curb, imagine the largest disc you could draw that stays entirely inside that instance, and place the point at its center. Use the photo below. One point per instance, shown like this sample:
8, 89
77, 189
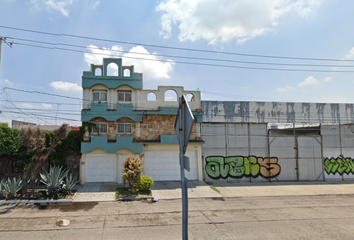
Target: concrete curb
34, 201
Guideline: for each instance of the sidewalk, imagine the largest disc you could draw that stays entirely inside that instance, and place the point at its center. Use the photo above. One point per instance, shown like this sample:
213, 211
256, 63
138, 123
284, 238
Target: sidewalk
102, 192
271, 189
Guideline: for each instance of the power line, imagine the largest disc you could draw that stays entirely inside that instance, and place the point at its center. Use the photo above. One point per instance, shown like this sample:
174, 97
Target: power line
61, 103
175, 48
194, 63
186, 57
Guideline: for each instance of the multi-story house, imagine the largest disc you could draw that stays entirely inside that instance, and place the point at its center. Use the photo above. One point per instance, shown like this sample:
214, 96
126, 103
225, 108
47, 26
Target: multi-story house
128, 119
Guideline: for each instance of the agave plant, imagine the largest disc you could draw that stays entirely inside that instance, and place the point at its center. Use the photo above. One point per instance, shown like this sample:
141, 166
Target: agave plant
54, 180
11, 187
70, 182
2, 188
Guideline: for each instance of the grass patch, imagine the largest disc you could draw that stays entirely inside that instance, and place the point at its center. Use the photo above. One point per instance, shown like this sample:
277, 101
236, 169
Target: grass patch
127, 193
214, 188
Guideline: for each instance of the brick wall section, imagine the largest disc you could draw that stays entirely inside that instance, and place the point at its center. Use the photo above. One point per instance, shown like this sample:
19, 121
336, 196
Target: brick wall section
153, 126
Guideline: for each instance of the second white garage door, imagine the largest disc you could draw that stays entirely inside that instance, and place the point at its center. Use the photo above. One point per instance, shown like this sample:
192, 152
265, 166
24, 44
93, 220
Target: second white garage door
100, 168
164, 165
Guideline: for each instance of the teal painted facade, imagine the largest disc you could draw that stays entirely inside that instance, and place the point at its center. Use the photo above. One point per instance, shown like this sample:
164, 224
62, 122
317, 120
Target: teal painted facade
111, 147
113, 111
126, 110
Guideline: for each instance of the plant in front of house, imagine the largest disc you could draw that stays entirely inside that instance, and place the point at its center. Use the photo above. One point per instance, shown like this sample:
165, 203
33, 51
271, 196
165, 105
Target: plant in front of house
133, 168
70, 181
124, 178
11, 187
145, 184
54, 180
2, 188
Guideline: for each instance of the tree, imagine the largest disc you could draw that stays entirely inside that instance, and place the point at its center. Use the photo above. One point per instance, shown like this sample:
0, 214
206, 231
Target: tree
35, 142
9, 143
133, 168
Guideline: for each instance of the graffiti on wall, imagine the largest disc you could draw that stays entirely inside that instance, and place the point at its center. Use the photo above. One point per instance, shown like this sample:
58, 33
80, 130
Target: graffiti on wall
239, 166
339, 165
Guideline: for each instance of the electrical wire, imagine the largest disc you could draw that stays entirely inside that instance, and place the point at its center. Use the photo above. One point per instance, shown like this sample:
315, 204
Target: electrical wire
194, 63
186, 57
174, 48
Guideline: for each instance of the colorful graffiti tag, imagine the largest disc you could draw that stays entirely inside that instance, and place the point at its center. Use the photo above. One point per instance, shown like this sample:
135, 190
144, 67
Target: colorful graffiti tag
339, 165
239, 166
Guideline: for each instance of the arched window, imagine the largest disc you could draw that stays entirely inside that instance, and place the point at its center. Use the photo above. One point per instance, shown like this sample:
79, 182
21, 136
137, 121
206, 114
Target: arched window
171, 95
126, 72
151, 96
190, 97
112, 69
98, 72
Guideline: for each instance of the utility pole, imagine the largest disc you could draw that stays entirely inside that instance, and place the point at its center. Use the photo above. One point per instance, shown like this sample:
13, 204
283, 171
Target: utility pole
9, 44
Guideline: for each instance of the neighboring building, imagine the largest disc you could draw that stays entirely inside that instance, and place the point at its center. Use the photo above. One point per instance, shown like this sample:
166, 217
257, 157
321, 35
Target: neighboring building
19, 124
132, 120
277, 141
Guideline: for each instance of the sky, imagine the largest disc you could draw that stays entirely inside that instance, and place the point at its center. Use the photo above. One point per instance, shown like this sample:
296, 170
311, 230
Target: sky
239, 50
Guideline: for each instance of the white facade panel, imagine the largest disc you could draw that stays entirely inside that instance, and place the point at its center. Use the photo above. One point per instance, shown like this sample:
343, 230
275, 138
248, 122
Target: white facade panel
164, 165
100, 168
288, 170
282, 147
214, 141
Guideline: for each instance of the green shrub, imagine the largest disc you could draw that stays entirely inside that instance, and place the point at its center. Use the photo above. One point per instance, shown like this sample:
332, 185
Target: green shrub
124, 178
145, 183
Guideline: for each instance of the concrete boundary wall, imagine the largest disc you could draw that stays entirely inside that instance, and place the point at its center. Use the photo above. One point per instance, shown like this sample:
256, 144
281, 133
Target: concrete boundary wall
277, 112
248, 152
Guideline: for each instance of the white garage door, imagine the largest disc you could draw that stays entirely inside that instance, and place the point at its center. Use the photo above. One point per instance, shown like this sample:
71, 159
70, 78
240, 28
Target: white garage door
100, 168
164, 165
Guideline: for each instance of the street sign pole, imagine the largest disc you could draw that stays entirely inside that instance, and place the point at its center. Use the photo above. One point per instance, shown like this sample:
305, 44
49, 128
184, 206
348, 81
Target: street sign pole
183, 127
183, 178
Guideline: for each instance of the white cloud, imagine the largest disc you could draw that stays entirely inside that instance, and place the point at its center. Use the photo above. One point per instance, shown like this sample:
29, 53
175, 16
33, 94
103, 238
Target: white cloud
307, 8
328, 79
223, 20
350, 55
287, 88
61, 6
8, 82
25, 105
95, 5
66, 86
97, 54
47, 106
309, 82
152, 68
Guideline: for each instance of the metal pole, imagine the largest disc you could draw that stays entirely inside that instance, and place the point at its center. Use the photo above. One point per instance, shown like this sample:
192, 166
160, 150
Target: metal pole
183, 179
9, 44
0, 54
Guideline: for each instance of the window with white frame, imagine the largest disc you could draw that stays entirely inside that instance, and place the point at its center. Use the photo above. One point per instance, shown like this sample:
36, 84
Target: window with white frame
124, 96
99, 95
101, 128
124, 128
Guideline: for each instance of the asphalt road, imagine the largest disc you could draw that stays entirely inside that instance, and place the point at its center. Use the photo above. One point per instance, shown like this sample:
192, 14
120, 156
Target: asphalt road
285, 217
